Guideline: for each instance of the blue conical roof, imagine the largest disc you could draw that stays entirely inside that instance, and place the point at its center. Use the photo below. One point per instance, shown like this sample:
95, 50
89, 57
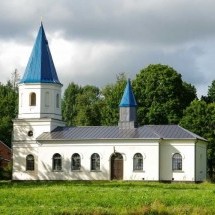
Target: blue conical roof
128, 99
40, 67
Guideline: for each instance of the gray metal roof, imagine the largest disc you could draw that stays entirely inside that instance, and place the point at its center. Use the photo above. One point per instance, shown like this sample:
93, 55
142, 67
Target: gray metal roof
114, 132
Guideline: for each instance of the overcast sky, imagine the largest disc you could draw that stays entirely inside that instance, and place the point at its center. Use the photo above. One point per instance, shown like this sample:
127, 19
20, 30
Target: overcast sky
92, 41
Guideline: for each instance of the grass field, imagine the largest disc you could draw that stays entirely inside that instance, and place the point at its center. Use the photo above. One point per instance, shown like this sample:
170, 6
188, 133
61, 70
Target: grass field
109, 197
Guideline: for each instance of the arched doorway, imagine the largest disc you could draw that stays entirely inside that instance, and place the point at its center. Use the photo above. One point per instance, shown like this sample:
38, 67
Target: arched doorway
116, 166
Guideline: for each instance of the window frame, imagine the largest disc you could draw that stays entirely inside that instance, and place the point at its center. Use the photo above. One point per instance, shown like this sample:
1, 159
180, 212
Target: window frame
176, 162
76, 162
138, 162
32, 99
30, 163
57, 162
95, 162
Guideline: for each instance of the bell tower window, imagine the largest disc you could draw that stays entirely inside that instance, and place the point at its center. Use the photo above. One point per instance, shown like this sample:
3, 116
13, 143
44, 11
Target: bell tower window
32, 99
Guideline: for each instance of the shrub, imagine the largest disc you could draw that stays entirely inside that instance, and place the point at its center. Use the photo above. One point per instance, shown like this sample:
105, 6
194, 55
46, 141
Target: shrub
6, 172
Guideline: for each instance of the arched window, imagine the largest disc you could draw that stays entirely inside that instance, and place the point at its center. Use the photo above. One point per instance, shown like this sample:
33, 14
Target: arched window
138, 162
95, 162
76, 162
30, 163
32, 101
176, 162
57, 101
57, 162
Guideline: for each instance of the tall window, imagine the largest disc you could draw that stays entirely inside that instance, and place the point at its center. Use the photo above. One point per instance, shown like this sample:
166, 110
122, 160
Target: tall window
76, 162
32, 99
30, 163
95, 162
57, 101
138, 162
176, 162
57, 162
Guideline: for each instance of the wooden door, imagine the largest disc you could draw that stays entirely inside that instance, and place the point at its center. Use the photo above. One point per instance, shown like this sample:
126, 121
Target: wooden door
116, 167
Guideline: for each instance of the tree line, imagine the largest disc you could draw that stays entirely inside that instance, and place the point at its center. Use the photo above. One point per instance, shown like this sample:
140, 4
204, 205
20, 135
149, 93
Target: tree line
161, 94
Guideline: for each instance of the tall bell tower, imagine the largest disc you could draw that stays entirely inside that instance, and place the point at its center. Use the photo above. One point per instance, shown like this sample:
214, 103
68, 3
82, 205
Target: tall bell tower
39, 102
39, 88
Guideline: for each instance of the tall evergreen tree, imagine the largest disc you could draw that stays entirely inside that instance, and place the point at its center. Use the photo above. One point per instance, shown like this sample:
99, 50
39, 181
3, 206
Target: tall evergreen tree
211, 92
69, 106
88, 106
8, 111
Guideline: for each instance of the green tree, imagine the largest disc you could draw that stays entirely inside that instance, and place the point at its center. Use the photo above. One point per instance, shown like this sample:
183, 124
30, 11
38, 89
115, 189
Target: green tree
199, 118
69, 106
188, 94
88, 106
80, 105
161, 95
111, 95
8, 111
195, 118
211, 93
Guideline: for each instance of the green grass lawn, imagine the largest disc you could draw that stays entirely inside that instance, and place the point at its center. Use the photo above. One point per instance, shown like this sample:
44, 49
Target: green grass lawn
109, 197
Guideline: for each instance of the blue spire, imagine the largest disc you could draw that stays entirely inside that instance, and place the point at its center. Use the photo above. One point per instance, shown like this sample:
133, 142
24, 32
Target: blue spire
128, 99
40, 67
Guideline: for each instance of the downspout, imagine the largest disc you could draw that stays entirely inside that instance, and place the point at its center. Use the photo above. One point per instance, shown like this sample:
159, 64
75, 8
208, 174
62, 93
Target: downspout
195, 159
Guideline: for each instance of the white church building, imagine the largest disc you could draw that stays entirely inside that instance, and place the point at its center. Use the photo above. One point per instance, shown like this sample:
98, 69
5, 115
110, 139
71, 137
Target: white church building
45, 149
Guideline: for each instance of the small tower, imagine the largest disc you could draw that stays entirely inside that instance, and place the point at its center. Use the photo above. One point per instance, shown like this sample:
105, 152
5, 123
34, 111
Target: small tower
39, 94
127, 108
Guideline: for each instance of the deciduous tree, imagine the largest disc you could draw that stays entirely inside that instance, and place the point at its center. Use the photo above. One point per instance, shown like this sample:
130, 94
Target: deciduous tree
199, 118
161, 95
81, 105
111, 96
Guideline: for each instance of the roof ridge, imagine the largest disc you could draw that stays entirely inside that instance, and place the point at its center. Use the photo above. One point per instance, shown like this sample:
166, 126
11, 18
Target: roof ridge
155, 132
193, 134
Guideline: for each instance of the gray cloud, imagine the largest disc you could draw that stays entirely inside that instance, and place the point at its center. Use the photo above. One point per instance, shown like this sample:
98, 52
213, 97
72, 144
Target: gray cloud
139, 32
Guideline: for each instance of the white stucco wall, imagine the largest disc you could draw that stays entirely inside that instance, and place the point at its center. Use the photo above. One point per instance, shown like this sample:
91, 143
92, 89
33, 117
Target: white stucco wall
37, 126
45, 152
105, 150
201, 161
43, 107
157, 160
152, 153
20, 151
187, 150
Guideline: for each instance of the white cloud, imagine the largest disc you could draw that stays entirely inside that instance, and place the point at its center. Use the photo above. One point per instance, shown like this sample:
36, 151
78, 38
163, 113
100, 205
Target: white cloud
92, 41
83, 61
12, 56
